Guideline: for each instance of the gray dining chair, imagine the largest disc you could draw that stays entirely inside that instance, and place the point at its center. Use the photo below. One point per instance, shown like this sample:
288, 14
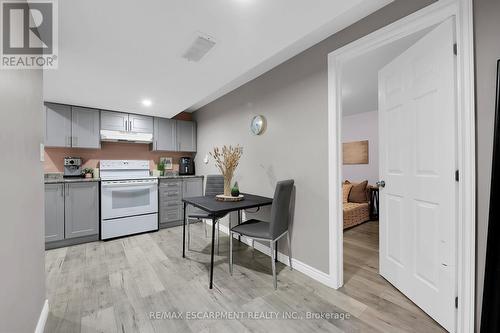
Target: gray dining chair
269, 231
213, 186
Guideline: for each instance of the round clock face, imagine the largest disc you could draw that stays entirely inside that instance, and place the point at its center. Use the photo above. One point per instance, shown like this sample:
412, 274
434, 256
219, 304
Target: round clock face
257, 125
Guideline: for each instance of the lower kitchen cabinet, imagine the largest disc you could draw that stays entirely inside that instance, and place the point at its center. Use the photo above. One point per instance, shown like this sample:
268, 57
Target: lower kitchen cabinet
81, 209
171, 192
71, 213
54, 212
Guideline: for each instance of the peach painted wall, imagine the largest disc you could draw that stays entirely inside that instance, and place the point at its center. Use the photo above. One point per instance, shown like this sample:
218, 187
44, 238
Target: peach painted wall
54, 157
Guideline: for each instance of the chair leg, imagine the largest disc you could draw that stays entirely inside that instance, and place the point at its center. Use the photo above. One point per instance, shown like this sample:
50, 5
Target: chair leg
230, 253
289, 249
218, 236
275, 281
206, 232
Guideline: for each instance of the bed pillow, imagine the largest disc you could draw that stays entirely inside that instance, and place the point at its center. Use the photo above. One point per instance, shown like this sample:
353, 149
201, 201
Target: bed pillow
358, 192
346, 189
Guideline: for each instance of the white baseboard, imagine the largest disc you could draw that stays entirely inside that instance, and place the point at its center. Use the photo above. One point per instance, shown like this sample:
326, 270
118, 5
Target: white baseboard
312, 272
40, 326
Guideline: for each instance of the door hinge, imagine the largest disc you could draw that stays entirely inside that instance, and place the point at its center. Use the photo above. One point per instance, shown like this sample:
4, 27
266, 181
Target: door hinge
456, 302
457, 175
455, 49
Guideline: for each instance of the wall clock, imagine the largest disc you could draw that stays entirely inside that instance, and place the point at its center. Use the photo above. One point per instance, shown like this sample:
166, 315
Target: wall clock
258, 125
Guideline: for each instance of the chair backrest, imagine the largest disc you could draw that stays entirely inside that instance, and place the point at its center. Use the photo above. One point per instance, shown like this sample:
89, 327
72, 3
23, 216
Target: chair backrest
214, 185
280, 210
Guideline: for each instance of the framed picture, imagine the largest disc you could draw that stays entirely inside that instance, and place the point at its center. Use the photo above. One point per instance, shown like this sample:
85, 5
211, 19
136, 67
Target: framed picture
167, 161
355, 152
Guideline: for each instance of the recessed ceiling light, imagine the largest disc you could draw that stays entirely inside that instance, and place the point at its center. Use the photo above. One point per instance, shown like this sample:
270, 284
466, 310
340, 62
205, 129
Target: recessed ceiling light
147, 102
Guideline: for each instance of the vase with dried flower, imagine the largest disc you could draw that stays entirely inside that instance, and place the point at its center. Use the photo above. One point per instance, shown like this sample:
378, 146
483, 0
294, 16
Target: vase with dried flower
226, 160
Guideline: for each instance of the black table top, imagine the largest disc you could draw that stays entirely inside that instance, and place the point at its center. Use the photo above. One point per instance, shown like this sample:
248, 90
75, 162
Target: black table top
209, 204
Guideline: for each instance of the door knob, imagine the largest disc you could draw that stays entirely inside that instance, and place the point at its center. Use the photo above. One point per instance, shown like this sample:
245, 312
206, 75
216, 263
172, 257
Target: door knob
380, 183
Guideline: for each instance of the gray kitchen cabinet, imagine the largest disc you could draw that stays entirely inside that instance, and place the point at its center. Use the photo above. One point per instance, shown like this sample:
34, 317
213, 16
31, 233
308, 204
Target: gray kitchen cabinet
171, 192
125, 122
165, 138
114, 121
85, 128
57, 125
170, 202
186, 136
140, 124
192, 187
54, 212
81, 209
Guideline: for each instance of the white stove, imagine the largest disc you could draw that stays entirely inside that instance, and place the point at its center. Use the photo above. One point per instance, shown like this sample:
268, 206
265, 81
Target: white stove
129, 198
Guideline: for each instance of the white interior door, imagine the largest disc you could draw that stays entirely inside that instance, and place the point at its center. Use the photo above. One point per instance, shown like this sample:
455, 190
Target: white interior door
417, 162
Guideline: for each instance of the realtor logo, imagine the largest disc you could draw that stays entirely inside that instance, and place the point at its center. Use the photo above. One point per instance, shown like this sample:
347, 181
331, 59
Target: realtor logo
29, 34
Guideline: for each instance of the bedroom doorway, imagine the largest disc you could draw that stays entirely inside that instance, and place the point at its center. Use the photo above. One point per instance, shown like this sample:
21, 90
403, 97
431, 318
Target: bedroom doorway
361, 176
425, 135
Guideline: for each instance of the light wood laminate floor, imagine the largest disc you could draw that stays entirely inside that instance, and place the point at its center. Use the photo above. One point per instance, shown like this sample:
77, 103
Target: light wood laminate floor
115, 286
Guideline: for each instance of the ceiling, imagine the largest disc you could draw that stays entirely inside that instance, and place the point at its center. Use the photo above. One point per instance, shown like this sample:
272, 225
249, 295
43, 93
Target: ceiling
115, 54
360, 75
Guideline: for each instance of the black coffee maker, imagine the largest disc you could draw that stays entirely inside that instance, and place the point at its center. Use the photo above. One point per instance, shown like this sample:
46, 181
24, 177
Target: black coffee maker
186, 166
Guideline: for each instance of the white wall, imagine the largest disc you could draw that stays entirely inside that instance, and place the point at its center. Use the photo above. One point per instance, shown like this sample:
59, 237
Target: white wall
22, 248
358, 127
294, 98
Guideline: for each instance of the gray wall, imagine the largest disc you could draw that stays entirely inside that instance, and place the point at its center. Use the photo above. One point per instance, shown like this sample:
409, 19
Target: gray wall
22, 273
487, 46
293, 98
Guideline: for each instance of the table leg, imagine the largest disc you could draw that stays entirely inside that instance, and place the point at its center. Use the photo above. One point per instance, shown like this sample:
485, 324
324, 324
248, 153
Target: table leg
239, 222
212, 255
184, 232
276, 249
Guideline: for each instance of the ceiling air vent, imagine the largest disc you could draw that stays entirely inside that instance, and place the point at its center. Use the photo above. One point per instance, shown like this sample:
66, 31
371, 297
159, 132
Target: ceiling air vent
199, 48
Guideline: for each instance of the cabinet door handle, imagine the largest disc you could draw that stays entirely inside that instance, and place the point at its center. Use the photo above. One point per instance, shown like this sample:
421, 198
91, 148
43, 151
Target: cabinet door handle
130, 125
126, 125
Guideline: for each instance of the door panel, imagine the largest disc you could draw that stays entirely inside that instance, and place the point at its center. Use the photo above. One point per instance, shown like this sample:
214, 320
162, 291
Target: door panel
165, 137
54, 212
81, 209
186, 136
114, 121
417, 162
57, 125
85, 128
140, 124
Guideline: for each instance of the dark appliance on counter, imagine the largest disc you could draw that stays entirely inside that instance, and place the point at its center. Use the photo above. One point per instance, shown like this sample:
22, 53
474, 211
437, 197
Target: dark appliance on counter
72, 167
186, 166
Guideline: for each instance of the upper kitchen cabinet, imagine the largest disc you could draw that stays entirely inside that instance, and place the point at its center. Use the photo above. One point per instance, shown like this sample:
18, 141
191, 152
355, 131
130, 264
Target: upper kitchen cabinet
186, 136
165, 138
114, 121
57, 125
85, 128
67, 126
118, 121
140, 124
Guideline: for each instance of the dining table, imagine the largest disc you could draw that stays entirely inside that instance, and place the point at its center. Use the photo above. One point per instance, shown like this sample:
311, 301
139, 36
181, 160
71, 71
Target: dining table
215, 209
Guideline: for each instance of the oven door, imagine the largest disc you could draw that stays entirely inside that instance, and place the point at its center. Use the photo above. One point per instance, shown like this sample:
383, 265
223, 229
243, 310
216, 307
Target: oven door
122, 198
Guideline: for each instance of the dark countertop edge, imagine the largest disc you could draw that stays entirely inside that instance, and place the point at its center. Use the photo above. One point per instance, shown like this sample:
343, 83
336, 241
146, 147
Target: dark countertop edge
180, 176
71, 180
84, 180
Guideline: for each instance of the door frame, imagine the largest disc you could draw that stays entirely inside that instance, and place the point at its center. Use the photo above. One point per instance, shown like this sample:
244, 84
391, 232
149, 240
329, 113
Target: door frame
461, 11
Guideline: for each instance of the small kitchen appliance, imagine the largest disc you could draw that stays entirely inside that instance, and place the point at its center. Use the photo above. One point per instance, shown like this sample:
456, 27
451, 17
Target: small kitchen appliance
72, 167
186, 166
129, 198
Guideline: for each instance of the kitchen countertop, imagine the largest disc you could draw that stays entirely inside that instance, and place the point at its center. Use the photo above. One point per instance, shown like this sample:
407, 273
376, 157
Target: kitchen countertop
180, 176
70, 180
56, 180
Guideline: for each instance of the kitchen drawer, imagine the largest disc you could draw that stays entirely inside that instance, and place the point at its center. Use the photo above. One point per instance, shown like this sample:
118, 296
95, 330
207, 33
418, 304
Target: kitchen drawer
166, 183
170, 204
170, 195
170, 214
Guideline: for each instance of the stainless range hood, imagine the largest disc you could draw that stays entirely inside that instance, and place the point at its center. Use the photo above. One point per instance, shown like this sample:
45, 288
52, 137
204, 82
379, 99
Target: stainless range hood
120, 136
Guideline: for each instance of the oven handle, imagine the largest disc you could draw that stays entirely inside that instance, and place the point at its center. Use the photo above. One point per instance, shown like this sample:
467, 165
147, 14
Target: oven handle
129, 184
